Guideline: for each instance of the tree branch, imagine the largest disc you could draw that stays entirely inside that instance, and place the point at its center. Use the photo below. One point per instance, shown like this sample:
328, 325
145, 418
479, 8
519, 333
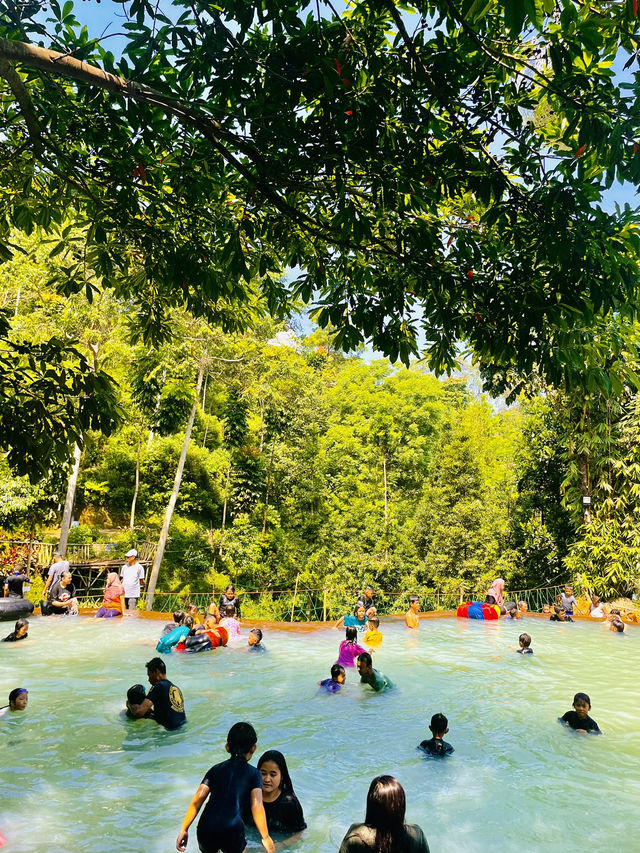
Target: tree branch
22, 97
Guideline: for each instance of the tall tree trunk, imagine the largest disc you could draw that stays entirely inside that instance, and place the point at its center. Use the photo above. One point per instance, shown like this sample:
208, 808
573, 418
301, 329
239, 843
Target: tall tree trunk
266, 499
134, 500
164, 533
386, 506
67, 513
224, 506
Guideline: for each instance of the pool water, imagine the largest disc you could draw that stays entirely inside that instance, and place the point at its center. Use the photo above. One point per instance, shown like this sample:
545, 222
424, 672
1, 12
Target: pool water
78, 776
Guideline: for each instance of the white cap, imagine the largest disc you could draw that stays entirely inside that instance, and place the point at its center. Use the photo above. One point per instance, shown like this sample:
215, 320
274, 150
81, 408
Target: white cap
131, 553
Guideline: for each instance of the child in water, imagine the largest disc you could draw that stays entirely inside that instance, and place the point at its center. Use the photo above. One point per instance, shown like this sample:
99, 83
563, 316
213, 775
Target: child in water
614, 622
439, 727
338, 678
568, 600
232, 787
559, 615
255, 640
525, 645
20, 632
579, 718
348, 649
18, 700
136, 696
373, 637
231, 623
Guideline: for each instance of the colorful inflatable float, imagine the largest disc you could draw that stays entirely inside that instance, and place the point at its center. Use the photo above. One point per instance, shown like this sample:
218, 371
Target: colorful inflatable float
204, 641
476, 610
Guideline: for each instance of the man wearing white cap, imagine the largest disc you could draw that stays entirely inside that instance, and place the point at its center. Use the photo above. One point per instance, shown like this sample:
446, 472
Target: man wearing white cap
132, 574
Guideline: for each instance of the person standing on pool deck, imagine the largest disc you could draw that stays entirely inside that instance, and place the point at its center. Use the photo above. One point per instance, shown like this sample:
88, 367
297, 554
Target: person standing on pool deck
164, 697
132, 574
232, 787
368, 675
411, 617
56, 570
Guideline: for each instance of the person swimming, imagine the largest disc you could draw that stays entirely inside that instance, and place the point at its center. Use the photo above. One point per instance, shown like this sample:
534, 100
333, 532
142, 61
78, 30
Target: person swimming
579, 718
436, 746
338, 678
525, 645
18, 700
20, 632
254, 640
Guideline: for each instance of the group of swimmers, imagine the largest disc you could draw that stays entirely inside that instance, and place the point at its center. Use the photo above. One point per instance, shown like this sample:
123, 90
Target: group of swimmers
235, 794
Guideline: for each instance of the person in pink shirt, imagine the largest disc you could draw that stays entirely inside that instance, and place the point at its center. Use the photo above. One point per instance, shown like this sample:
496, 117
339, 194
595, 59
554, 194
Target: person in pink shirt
231, 623
349, 650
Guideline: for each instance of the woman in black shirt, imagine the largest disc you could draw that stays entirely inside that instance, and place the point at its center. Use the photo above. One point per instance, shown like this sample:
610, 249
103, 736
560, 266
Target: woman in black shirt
281, 806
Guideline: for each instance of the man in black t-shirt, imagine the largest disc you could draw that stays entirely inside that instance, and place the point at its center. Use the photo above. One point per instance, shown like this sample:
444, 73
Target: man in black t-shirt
13, 582
164, 697
62, 597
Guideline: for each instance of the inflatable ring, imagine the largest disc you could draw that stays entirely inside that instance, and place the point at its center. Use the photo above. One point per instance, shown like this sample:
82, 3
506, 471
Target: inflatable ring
476, 610
13, 608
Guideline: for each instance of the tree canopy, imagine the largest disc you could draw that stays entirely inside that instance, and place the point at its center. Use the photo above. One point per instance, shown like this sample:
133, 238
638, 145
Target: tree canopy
433, 172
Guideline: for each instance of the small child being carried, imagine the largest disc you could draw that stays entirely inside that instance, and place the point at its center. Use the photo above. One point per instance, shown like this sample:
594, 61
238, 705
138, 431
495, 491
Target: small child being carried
436, 745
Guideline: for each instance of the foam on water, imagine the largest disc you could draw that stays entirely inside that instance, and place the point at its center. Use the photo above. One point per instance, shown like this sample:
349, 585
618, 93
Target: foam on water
78, 776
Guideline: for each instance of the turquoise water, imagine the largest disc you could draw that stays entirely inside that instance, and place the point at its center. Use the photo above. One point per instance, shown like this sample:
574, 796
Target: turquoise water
76, 776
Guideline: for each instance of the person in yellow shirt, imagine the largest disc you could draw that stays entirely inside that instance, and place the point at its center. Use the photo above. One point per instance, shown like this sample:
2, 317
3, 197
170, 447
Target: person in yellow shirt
372, 637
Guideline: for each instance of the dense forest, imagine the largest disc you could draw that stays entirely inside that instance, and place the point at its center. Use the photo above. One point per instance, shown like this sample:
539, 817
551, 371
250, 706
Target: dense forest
307, 464
183, 180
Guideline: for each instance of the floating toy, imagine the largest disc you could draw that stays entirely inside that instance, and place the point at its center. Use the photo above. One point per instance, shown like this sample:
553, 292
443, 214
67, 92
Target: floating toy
476, 610
204, 641
13, 608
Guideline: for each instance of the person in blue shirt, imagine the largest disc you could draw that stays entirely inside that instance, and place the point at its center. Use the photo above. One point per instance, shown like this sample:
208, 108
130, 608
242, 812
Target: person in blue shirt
358, 620
338, 678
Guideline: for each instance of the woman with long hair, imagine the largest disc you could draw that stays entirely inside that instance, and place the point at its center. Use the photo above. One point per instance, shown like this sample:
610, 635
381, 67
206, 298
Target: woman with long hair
384, 829
281, 806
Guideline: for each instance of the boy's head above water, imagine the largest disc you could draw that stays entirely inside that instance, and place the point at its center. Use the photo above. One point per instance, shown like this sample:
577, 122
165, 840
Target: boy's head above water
581, 704
338, 673
374, 623
255, 637
439, 725
524, 640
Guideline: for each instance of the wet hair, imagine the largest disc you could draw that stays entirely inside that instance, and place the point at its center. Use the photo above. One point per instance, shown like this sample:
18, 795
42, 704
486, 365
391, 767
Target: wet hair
241, 738
336, 670
412, 598
582, 697
618, 624
178, 616
256, 633
286, 785
386, 807
15, 693
439, 724
188, 622
358, 607
230, 611
136, 694
156, 665
373, 620
21, 623
365, 657
558, 609
351, 634
525, 640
